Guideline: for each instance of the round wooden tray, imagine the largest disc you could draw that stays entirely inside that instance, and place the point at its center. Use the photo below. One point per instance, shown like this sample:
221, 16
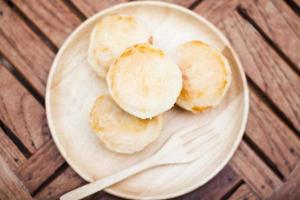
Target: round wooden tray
73, 87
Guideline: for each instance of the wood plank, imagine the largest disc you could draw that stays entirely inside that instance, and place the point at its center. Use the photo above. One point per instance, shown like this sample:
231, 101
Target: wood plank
242, 193
262, 64
24, 49
291, 188
40, 166
283, 147
273, 23
184, 3
297, 2
220, 185
254, 171
91, 7
21, 112
103, 196
215, 11
215, 189
9, 152
245, 162
271, 74
53, 18
10, 186
289, 15
63, 22
65, 182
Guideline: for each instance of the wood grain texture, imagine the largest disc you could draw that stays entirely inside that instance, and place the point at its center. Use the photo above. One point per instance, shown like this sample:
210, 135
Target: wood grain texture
265, 67
291, 188
262, 64
40, 166
297, 2
91, 7
184, 3
273, 23
254, 172
220, 185
22, 113
24, 49
65, 182
214, 10
243, 193
53, 18
9, 152
289, 15
83, 151
10, 186
283, 147
215, 189
263, 124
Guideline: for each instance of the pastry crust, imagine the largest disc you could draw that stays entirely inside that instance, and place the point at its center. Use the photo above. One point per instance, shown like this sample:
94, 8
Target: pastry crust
112, 35
144, 81
206, 76
120, 131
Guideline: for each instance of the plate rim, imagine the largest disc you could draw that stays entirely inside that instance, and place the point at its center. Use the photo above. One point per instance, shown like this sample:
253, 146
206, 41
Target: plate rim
176, 8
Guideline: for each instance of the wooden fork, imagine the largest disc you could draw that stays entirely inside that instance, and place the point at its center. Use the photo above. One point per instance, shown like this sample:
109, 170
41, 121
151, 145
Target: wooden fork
185, 145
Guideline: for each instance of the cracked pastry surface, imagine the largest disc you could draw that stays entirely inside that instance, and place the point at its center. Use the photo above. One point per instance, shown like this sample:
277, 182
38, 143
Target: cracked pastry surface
206, 76
112, 35
144, 81
120, 131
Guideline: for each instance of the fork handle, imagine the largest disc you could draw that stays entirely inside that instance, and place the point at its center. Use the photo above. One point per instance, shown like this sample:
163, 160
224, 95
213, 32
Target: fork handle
101, 184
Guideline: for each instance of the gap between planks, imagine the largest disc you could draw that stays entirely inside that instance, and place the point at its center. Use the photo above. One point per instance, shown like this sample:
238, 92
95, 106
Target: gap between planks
51, 178
270, 104
267, 100
263, 156
233, 190
22, 79
244, 14
22, 148
32, 26
72, 6
293, 5
75, 10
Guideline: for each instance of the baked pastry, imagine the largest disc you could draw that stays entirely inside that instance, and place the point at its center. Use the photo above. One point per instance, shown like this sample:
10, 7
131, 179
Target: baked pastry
206, 76
112, 35
120, 131
144, 81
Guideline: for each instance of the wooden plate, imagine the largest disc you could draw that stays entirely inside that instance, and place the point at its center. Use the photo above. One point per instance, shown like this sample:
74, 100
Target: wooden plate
73, 87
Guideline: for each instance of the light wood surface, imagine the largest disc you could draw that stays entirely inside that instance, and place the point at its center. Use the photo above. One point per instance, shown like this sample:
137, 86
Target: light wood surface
183, 146
69, 103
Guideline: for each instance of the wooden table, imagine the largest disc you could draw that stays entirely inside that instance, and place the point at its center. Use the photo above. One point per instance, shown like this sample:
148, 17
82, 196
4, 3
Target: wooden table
266, 36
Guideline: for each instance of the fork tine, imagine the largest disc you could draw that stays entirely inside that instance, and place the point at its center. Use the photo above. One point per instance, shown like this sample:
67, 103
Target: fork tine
189, 130
197, 144
185, 130
200, 152
197, 133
